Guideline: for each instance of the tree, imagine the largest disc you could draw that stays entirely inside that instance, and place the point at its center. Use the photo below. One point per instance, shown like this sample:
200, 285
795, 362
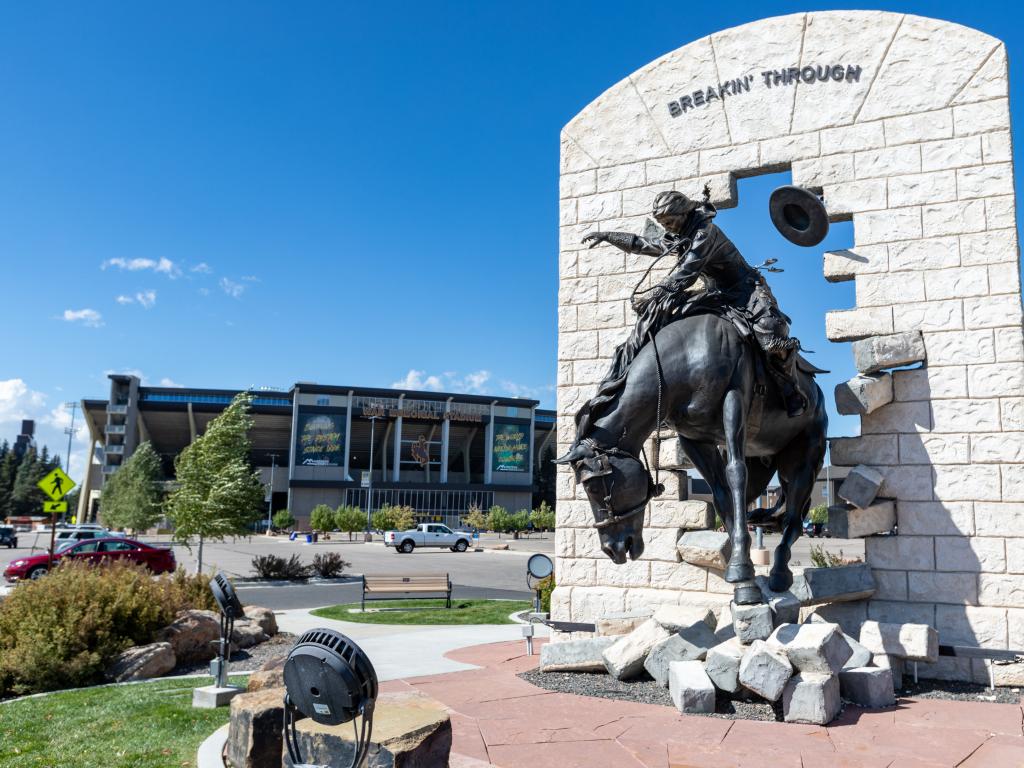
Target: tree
476, 518
283, 519
218, 493
519, 522
349, 520
27, 497
389, 518
543, 518
498, 519
321, 519
819, 514
8, 472
132, 497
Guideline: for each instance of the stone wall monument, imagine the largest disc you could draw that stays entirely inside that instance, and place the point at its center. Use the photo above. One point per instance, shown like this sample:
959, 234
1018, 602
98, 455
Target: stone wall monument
902, 123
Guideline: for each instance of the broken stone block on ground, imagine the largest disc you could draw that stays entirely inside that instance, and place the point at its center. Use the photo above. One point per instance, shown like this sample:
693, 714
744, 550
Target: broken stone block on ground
893, 664
856, 523
765, 670
689, 644
844, 583
861, 486
723, 628
690, 687
751, 622
625, 657
811, 698
913, 642
575, 655
676, 617
867, 686
877, 353
859, 655
722, 665
708, 549
863, 394
621, 622
814, 648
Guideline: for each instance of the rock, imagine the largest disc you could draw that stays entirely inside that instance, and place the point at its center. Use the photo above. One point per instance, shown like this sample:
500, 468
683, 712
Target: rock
861, 486
1009, 675
625, 657
844, 583
246, 634
723, 628
785, 606
722, 665
690, 687
677, 617
912, 642
193, 636
270, 675
863, 394
575, 655
410, 730
141, 662
855, 523
811, 698
893, 664
814, 648
254, 732
859, 655
867, 686
622, 622
709, 549
879, 352
751, 622
264, 617
689, 644
765, 670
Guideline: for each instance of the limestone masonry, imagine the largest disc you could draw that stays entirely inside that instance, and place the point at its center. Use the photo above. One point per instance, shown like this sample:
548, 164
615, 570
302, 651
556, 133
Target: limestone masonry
902, 123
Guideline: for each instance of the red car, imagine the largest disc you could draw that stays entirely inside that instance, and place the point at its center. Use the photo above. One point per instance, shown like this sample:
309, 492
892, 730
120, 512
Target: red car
157, 559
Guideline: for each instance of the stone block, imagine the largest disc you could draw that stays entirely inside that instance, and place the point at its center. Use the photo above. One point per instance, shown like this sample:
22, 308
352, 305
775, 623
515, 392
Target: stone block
710, 549
811, 698
1009, 675
621, 622
815, 647
575, 655
625, 657
691, 644
141, 662
691, 689
867, 686
722, 665
765, 670
854, 523
859, 655
724, 627
751, 622
880, 352
864, 394
254, 732
857, 324
912, 642
213, 696
844, 583
849, 616
893, 664
861, 486
678, 617
409, 730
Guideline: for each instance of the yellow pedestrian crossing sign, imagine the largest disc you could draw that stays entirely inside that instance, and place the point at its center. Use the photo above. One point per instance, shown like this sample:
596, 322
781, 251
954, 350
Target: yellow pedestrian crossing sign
54, 507
56, 484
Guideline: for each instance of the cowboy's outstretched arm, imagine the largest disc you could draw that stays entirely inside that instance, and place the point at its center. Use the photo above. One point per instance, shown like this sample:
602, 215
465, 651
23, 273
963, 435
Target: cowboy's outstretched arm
624, 241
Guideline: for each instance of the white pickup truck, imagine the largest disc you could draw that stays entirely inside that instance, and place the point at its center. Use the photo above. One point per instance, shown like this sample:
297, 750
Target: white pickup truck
427, 535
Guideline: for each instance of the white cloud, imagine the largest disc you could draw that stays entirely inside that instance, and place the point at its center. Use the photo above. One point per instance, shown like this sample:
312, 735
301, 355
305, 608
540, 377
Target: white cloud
122, 299
202, 268
162, 265
166, 382
418, 380
251, 279
89, 317
204, 291
231, 288
526, 390
145, 298
18, 401
448, 381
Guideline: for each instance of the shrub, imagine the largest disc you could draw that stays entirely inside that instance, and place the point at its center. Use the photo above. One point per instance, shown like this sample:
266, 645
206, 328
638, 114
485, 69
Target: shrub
498, 519
64, 630
818, 514
543, 517
823, 559
283, 519
277, 568
475, 518
328, 565
349, 520
546, 587
389, 518
519, 521
322, 518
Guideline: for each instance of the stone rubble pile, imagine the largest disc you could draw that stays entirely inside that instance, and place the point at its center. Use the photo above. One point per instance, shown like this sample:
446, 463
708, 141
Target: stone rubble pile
810, 668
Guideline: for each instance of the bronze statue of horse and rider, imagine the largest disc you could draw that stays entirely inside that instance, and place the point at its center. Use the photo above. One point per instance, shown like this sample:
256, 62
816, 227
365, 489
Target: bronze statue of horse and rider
717, 366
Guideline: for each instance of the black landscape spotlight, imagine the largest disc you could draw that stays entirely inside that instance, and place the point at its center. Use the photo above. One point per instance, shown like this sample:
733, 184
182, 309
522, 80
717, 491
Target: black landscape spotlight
329, 679
230, 609
538, 568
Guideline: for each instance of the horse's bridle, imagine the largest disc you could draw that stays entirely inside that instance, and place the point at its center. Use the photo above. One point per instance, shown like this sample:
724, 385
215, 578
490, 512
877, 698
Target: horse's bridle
599, 467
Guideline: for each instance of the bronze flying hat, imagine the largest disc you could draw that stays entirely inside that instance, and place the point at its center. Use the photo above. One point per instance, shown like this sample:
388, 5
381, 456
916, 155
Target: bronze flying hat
799, 215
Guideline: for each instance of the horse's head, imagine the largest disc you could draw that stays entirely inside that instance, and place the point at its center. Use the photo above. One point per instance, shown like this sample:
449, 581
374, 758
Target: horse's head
618, 487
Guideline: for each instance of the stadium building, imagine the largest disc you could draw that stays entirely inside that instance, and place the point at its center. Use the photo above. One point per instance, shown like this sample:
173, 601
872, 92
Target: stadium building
314, 444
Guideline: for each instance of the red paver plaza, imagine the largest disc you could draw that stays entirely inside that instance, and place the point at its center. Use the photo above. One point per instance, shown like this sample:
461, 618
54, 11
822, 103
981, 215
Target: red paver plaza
500, 720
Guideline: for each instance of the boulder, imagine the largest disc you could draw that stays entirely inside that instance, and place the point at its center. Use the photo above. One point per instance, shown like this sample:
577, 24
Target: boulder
254, 732
625, 657
751, 622
193, 636
709, 549
812, 648
690, 687
689, 644
811, 698
765, 670
861, 486
722, 665
912, 642
880, 352
264, 617
410, 730
270, 675
575, 655
622, 622
854, 523
677, 617
246, 634
141, 662
867, 686
863, 394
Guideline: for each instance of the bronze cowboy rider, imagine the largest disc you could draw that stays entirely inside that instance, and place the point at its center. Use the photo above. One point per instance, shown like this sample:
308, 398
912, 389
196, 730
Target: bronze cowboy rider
732, 287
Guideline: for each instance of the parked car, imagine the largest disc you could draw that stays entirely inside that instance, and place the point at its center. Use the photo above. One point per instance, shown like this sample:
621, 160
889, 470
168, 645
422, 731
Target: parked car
820, 530
427, 535
100, 550
8, 536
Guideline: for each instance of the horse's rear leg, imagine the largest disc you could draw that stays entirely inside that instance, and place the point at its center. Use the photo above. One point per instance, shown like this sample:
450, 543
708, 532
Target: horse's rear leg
799, 465
740, 568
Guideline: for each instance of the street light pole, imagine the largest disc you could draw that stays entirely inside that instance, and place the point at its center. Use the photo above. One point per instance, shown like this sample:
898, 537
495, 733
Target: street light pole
70, 432
369, 490
270, 504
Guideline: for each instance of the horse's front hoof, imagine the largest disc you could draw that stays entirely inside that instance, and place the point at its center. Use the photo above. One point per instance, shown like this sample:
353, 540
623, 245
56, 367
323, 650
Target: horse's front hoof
780, 580
747, 595
739, 572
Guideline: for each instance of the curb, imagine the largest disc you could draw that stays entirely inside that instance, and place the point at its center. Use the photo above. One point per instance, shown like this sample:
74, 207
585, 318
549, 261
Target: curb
210, 753
311, 582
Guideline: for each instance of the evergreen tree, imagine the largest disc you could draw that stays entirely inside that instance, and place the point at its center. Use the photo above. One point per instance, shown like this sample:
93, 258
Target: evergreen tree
132, 497
8, 472
27, 496
218, 493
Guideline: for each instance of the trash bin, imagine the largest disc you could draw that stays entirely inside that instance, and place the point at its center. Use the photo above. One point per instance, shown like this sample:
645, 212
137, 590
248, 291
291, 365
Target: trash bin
292, 536
316, 537
309, 538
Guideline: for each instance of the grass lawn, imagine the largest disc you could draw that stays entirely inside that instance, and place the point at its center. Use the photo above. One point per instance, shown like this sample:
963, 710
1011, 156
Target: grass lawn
149, 725
427, 612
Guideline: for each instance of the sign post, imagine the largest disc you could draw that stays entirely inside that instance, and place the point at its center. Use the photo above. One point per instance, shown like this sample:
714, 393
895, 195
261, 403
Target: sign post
56, 485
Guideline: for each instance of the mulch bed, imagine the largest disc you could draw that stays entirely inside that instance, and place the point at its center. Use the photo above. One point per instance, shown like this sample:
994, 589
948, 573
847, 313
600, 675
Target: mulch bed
248, 659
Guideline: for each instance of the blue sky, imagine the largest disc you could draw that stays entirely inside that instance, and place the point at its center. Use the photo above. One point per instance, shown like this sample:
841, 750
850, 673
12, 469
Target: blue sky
250, 194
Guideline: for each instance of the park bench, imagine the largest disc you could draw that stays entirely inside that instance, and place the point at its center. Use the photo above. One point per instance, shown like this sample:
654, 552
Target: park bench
406, 586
